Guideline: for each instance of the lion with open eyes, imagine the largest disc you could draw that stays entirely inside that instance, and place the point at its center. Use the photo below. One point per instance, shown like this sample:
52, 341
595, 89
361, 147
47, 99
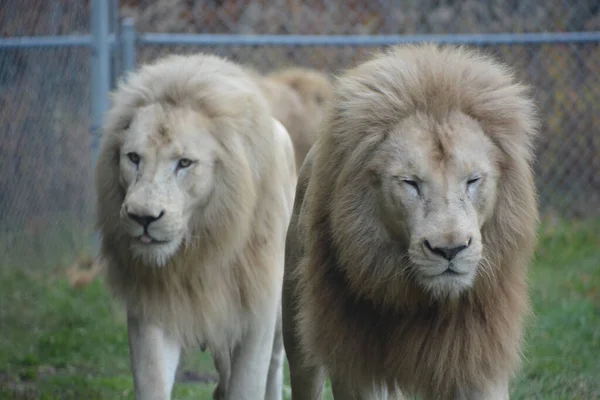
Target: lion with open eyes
413, 225
195, 182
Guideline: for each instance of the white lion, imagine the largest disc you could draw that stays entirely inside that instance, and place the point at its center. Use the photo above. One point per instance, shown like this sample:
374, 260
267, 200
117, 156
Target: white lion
413, 228
195, 183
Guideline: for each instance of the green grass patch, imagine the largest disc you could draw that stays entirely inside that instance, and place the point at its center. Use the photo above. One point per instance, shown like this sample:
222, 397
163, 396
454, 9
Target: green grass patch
59, 342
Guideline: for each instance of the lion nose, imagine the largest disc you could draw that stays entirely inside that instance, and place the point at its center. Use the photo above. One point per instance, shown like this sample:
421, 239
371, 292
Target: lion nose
447, 252
145, 220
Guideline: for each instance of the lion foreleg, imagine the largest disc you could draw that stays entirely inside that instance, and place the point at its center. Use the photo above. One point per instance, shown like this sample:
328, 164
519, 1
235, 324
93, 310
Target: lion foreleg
154, 357
274, 386
275, 377
222, 361
251, 358
307, 381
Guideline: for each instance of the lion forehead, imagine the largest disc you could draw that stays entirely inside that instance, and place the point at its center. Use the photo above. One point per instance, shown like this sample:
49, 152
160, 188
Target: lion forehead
419, 145
172, 132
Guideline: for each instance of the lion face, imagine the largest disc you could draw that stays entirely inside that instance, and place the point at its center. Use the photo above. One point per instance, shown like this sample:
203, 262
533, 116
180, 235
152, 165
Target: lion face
438, 182
313, 87
166, 168
315, 90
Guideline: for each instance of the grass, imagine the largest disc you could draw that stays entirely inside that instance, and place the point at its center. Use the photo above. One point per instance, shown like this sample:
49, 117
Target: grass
59, 342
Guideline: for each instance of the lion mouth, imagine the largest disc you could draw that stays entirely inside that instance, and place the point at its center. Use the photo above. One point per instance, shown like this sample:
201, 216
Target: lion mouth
145, 238
447, 273
451, 272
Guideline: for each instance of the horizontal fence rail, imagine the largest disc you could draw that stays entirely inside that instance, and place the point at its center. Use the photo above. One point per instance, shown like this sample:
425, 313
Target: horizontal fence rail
363, 40
48, 41
305, 40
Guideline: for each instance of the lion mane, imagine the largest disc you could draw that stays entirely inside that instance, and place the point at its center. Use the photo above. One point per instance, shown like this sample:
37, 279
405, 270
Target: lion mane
230, 265
345, 309
299, 98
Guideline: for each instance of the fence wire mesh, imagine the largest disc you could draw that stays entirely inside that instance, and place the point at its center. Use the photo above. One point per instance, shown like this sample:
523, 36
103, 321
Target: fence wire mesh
45, 140
46, 200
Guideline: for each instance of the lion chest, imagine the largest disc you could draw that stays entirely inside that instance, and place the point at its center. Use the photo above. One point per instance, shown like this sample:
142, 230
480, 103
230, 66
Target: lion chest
200, 305
357, 339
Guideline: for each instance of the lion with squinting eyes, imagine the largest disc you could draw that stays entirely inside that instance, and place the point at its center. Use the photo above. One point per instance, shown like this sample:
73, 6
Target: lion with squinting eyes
413, 226
195, 182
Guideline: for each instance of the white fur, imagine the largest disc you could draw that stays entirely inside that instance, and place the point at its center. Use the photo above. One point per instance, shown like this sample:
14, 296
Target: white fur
190, 141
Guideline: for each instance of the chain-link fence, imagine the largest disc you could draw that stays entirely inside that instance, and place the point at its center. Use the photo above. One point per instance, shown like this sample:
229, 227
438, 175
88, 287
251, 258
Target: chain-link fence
46, 148
45, 170
564, 75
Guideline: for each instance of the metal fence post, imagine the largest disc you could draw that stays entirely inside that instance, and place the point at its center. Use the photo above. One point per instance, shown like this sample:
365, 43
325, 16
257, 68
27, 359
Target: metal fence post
115, 27
128, 45
100, 60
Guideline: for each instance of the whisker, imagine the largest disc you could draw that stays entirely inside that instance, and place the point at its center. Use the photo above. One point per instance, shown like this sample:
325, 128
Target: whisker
399, 271
487, 267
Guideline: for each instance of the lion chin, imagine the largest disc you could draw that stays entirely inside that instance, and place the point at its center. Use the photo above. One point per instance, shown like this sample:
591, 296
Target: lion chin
413, 227
195, 182
448, 283
153, 252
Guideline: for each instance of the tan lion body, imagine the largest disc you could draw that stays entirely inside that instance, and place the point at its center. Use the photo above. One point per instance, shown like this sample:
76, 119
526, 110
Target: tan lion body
299, 98
208, 267
413, 226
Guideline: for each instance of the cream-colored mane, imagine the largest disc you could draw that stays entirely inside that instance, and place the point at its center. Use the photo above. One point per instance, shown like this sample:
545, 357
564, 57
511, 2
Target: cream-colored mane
413, 226
209, 266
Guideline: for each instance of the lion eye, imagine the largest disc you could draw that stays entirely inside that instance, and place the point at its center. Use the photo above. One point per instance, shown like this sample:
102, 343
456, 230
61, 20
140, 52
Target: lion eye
473, 181
134, 157
184, 163
412, 183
